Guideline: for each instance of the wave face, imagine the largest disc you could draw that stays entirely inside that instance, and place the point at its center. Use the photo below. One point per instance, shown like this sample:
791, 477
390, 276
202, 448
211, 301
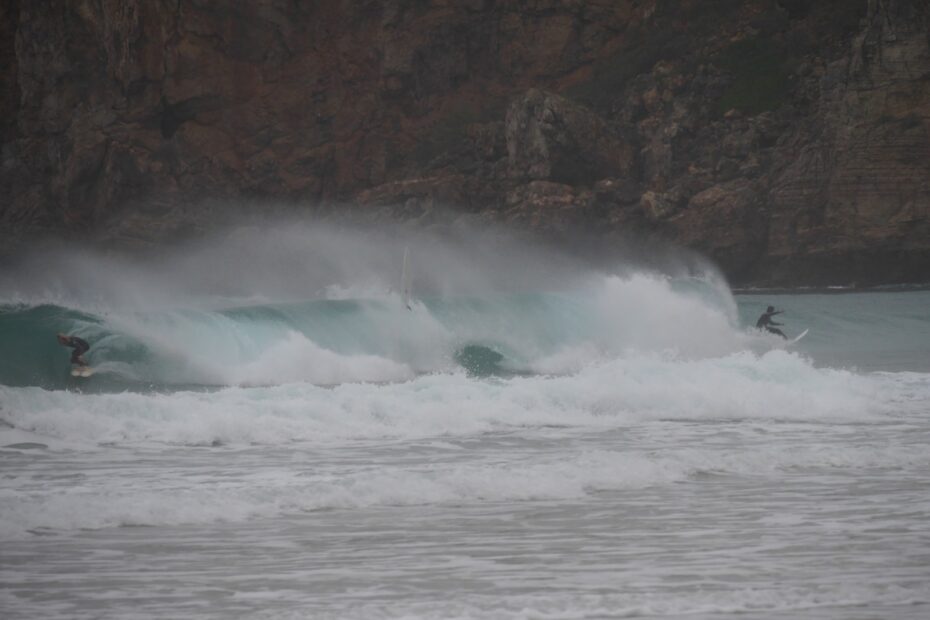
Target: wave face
320, 304
334, 341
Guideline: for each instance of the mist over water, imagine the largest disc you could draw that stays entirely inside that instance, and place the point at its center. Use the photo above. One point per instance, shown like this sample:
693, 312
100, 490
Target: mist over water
324, 304
294, 261
534, 432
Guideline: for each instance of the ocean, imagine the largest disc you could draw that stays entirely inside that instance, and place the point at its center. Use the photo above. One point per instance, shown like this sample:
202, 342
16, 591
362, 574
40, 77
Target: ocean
272, 433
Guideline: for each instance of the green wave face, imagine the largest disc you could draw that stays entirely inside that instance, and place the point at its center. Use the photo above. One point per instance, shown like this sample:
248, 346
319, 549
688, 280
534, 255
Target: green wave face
182, 320
330, 342
32, 355
188, 347
480, 361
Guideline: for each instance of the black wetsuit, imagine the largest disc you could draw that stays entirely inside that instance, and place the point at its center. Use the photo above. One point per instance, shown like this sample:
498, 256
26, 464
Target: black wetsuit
765, 322
80, 347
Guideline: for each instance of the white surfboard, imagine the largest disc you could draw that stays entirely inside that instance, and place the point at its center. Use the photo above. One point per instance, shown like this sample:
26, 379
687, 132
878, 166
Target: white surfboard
82, 371
798, 337
405, 279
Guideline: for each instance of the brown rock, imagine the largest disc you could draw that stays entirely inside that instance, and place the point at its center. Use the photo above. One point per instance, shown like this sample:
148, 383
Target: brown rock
547, 206
727, 223
658, 205
856, 181
551, 138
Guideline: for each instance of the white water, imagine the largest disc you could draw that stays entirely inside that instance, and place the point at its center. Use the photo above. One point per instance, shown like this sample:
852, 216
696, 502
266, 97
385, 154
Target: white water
653, 458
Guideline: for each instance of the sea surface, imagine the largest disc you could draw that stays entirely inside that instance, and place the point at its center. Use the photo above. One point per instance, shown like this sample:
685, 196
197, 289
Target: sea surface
623, 446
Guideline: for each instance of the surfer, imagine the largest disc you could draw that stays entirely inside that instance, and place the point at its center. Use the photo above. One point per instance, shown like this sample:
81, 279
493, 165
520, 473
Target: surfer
79, 345
765, 322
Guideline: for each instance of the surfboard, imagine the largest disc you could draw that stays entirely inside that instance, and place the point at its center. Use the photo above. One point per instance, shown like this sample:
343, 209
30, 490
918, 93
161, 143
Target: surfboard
405, 279
798, 337
82, 371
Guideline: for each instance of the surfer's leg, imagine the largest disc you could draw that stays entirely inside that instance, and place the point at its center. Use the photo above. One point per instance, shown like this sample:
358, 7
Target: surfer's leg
774, 330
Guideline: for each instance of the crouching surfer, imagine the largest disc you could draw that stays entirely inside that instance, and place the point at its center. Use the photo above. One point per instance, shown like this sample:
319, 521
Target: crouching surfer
79, 345
765, 322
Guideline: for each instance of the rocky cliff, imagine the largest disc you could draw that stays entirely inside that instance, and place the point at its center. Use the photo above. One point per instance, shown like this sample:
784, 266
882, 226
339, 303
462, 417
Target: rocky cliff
788, 140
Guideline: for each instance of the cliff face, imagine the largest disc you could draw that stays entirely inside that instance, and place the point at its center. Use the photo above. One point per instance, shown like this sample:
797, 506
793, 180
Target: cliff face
789, 140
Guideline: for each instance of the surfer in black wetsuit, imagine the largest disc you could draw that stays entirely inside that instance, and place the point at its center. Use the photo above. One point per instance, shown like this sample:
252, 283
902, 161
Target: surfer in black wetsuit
79, 345
765, 322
